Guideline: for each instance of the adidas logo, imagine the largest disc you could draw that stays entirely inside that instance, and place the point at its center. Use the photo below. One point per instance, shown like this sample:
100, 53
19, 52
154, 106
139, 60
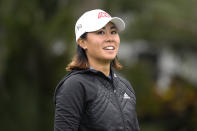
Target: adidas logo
115, 75
126, 96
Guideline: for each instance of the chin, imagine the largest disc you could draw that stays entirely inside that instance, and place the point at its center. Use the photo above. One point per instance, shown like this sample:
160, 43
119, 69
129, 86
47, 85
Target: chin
110, 58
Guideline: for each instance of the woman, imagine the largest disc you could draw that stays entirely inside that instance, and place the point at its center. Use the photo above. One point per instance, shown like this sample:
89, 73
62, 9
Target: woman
92, 97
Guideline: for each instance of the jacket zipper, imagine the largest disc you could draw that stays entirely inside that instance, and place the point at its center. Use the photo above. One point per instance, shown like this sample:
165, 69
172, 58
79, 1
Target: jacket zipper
117, 101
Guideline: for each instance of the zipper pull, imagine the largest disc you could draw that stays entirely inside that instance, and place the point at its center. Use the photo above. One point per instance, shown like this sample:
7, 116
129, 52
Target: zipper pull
114, 90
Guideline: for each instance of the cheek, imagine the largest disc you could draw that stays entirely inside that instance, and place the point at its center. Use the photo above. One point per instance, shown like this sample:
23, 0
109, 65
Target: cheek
93, 48
118, 42
117, 39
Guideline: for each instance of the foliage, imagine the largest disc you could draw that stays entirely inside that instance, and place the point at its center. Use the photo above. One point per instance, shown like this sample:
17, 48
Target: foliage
35, 42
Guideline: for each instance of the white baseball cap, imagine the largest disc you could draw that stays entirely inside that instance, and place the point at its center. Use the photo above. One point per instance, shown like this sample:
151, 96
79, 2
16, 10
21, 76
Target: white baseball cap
94, 20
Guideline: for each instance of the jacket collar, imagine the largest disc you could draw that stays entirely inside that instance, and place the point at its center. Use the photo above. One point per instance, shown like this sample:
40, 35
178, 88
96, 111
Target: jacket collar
92, 70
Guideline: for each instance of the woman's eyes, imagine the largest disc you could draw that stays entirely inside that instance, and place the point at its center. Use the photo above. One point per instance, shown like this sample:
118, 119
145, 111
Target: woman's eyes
114, 32
102, 32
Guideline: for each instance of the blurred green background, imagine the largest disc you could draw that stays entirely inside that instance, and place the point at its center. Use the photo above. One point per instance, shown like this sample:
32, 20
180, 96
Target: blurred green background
158, 51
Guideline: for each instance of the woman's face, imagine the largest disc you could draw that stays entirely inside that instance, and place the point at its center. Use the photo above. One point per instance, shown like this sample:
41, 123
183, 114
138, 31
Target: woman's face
102, 45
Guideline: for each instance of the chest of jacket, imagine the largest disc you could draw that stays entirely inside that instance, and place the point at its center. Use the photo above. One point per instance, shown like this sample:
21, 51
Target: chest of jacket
112, 107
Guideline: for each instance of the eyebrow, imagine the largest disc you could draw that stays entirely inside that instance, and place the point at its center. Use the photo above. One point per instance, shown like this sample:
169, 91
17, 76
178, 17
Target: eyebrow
112, 27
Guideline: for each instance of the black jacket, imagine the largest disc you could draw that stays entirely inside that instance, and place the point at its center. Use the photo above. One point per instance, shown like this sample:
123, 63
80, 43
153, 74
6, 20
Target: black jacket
87, 100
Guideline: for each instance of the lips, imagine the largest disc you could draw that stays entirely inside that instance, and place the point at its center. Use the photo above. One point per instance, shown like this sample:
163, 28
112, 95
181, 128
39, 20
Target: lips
109, 48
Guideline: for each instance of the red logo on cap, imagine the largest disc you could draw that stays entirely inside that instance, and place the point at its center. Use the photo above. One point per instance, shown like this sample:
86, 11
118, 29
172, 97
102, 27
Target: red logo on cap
103, 14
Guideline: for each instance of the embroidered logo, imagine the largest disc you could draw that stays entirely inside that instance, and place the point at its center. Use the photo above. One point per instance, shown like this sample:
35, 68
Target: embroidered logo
126, 96
79, 26
103, 14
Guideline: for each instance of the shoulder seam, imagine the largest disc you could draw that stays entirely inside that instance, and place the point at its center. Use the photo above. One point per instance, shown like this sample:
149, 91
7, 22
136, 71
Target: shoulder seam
129, 87
61, 83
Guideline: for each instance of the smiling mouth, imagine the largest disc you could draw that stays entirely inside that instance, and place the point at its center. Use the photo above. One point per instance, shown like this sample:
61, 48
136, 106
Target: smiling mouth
109, 48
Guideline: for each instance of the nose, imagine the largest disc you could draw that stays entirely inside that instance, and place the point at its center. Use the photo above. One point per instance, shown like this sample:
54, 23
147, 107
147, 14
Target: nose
109, 37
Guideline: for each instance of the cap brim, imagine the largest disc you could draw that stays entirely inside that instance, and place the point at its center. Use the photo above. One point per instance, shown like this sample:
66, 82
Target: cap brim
119, 23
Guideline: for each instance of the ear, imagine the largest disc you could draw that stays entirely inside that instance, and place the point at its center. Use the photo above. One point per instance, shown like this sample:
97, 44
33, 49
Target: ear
82, 43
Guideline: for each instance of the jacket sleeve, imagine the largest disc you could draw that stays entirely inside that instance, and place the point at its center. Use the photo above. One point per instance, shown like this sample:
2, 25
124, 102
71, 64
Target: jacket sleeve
135, 122
69, 106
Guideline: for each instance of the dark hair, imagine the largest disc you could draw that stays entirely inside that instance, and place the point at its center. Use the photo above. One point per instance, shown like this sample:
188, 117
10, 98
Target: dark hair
80, 60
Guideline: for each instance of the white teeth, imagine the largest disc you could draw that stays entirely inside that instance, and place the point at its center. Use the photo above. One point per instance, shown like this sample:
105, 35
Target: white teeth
109, 48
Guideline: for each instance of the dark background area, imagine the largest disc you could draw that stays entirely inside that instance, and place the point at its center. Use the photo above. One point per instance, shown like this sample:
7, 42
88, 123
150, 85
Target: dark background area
158, 51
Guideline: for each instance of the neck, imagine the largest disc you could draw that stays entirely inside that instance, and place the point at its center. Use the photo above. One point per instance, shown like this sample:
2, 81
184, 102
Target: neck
104, 67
